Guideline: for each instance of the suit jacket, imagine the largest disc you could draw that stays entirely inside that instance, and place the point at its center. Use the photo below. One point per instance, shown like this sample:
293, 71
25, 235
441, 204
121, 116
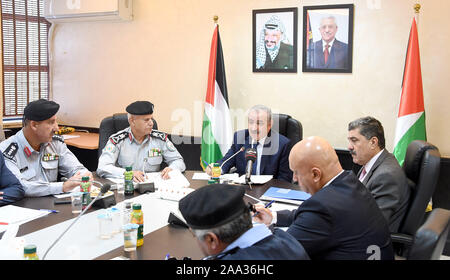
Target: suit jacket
284, 59
337, 58
274, 160
339, 222
388, 184
278, 246
9, 185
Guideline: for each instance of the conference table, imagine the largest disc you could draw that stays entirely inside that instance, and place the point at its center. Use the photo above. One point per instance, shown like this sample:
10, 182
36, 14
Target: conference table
170, 239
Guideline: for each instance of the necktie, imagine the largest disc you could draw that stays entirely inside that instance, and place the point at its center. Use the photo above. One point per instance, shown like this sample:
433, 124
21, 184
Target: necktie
326, 53
363, 172
255, 164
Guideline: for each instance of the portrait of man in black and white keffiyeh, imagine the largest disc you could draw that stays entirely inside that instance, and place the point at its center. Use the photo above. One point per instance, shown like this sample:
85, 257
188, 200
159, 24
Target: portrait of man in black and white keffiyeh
274, 50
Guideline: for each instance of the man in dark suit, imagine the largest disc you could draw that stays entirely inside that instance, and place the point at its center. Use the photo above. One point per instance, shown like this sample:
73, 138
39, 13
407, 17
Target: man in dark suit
221, 221
10, 188
272, 148
329, 53
380, 172
341, 220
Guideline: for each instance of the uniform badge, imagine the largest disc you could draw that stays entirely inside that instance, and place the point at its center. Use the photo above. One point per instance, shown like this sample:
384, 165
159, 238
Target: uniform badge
118, 137
159, 134
49, 157
110, 148
154, 152
11, 151
170, 146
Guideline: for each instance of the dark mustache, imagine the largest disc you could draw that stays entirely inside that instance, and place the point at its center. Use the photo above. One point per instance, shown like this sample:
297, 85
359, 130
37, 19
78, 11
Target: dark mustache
273, 42
352, 152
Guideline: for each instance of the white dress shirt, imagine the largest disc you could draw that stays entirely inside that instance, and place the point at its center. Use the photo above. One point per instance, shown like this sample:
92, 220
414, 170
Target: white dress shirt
369, 164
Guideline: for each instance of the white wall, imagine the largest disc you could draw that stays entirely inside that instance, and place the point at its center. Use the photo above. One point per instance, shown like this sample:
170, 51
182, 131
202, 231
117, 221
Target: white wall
162, 56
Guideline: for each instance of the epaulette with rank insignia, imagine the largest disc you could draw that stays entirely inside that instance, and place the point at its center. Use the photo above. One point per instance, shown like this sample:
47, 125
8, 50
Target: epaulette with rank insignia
159, 134
118, 137
58, 138
11, 151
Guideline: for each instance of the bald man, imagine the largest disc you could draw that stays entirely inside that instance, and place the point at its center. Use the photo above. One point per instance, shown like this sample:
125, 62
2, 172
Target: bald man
341, 219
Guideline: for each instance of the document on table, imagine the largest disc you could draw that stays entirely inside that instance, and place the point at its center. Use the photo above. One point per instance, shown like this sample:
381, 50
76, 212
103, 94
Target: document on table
205, 176
285, 195
11, 214
255, 179
70, 136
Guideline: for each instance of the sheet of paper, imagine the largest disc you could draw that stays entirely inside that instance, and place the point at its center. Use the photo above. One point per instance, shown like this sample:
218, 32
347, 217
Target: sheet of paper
205, 176
200, 176
11, 214
66, 136
255, 179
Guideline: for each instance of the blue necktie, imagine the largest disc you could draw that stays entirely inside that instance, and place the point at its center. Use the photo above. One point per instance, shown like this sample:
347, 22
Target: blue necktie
255, 146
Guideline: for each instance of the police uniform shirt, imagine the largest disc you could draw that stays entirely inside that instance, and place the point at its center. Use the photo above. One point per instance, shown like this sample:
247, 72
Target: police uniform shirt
37, 171
123, 150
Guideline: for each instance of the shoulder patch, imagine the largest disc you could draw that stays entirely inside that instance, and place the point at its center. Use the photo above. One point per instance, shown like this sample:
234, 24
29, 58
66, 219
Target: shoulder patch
11, 151
159, 134
118, 137
59, 138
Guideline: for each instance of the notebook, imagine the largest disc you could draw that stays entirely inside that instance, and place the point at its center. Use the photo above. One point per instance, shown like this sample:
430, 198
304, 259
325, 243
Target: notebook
285, 195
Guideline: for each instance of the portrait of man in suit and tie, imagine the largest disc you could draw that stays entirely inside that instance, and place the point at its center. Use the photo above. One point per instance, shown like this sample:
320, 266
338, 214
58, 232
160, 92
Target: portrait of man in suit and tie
327, 41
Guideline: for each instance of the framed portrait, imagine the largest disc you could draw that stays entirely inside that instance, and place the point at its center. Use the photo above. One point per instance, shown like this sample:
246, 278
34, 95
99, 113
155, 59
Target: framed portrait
328, 38
275, 40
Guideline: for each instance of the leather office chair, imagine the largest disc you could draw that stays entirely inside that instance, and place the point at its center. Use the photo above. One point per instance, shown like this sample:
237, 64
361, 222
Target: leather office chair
421, 166
430, 238
111, 125
288, 126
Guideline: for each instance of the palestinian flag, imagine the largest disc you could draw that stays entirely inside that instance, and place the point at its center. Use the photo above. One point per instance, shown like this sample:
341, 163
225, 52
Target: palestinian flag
216, 132
309, 43
411, 114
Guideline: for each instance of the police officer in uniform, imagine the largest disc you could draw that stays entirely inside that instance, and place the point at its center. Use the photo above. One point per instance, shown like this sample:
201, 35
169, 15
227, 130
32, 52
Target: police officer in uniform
35, 155
222, 223
139, 146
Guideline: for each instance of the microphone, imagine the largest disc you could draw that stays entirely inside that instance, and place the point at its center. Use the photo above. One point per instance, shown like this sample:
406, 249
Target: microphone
240, 150
104, 188
250, 158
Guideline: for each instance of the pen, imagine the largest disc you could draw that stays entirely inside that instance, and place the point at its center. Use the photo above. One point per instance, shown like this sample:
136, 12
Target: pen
265, 206
4, 224
167, 257
49, 210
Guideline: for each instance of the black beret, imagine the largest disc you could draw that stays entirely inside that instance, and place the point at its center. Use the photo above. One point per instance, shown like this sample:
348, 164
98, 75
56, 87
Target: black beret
140, 108
40, 110
213, 205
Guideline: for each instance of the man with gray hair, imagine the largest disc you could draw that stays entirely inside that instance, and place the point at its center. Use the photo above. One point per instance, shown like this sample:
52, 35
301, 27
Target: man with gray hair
273, 50
139, 146
272, 148
221, 221
380, 172
329, 52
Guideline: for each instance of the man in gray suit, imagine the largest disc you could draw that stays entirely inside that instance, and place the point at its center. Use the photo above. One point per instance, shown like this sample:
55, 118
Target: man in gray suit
380, 171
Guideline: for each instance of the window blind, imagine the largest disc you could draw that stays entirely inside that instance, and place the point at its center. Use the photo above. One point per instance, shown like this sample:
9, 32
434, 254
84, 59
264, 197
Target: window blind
25, 54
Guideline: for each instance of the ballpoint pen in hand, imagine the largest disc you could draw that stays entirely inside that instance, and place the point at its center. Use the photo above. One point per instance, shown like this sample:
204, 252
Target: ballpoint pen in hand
265, 206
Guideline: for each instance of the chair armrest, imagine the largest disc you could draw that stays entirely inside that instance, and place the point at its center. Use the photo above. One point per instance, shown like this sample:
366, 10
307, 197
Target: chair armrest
402, 238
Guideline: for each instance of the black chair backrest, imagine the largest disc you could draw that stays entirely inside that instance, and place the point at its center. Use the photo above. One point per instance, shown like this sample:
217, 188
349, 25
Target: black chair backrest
431, 237
421, 166
288, 126
111, 125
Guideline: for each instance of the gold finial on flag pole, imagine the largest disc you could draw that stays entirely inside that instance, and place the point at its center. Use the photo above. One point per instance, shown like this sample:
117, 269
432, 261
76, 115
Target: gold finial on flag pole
215, 18
417, 10
417, 7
